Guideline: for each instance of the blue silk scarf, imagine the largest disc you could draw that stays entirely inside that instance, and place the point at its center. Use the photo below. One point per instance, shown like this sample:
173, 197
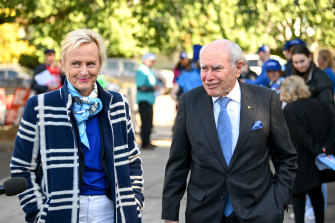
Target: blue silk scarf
84, 108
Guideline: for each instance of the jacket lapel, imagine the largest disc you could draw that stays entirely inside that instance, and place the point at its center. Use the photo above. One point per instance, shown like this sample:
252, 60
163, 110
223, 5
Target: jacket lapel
247, 114
207, 119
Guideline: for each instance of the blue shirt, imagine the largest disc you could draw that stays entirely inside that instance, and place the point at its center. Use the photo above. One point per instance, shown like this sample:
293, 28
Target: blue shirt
276, 85
189, 80
95, 178
331, 75
262, 79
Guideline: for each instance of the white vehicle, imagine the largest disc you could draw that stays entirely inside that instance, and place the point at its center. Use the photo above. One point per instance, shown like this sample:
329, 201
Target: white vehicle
124, 70
13, 76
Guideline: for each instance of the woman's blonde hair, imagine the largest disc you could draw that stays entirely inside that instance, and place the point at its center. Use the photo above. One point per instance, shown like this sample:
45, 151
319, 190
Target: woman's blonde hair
73, 40
293, 88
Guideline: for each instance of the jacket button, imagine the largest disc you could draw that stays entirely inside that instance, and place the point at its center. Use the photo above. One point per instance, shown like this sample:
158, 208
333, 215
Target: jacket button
228, 176
221, 197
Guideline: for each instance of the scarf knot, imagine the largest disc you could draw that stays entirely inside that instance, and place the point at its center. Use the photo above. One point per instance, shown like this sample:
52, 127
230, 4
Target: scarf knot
84, 108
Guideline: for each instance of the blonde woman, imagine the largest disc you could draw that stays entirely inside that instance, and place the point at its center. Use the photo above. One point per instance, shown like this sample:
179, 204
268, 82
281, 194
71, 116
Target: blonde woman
309, 121
76, 145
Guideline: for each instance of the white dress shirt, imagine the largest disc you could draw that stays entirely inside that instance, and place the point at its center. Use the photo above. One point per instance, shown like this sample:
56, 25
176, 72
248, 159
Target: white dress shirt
233, 109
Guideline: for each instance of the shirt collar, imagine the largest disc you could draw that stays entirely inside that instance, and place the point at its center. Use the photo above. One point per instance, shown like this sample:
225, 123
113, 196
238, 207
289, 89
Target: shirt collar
234, 95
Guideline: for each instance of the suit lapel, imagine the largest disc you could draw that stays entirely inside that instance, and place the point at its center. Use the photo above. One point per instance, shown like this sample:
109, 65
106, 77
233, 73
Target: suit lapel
247, 114
208, 122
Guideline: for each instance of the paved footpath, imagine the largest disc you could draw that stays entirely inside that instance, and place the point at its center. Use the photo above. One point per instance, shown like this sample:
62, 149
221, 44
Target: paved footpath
153, 165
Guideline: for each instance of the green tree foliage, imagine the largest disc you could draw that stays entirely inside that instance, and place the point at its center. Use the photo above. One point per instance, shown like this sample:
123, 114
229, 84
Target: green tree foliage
279, 21
250, 23
48, 21
11, 44
132, 27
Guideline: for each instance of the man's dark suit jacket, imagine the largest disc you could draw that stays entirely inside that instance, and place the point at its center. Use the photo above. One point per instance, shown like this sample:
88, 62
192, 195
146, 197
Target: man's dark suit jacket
257, 195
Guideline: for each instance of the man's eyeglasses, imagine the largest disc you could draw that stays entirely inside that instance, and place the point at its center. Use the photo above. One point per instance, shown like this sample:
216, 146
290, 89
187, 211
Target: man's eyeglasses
215, 68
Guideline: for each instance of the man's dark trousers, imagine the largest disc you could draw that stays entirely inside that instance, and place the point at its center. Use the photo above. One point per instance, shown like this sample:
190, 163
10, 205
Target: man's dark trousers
146, 114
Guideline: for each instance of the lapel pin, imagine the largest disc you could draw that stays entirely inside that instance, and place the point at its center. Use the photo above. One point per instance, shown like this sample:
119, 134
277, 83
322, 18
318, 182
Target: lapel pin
249, 107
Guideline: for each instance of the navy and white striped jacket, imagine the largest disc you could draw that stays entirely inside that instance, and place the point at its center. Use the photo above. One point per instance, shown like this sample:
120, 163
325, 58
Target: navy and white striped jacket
46, 153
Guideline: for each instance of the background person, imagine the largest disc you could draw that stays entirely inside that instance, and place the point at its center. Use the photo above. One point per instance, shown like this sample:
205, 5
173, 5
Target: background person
226, 149
317, 80
181, 65
327, 64
309, 121
196, 57
246, 73
76, 145
325, 61
264, 55
318, 83
47, 76
274, 73
190, 76
188, 80
147, 84
288, 47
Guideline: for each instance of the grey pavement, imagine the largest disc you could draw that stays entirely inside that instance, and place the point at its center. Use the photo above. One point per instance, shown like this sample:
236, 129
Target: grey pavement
153, 166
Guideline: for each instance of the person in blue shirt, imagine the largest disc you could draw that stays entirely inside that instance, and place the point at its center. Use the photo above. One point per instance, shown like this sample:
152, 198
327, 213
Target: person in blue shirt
327, 64
147, 84
189, 79
264, 54
190, 76
274, 73
182, 63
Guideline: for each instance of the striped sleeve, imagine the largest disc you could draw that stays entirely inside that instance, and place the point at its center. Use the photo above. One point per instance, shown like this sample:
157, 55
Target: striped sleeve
135, 162
24, 162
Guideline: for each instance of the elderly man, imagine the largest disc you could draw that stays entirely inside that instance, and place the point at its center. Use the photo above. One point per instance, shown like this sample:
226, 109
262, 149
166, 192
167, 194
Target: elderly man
225, 132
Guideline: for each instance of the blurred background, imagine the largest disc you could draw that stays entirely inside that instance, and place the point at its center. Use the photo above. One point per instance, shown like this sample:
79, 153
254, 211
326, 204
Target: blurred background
133, 27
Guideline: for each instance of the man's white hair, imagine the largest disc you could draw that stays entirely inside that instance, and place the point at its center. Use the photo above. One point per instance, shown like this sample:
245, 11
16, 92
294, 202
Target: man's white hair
234, 50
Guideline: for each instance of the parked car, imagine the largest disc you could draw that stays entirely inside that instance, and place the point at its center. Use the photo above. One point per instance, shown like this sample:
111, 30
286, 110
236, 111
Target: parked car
120, 75
13, 76
255, 64
165, 77
122, 72
121, 69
